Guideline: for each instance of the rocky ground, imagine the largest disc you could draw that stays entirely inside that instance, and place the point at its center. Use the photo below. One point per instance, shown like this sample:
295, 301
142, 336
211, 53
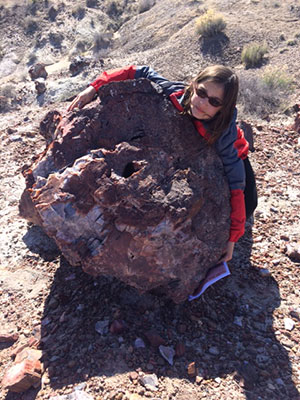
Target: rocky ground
99, 336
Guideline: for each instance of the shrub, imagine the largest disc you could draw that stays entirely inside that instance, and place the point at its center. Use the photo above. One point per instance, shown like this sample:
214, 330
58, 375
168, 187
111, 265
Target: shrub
264, 94
210, 24
253, 54
276, 78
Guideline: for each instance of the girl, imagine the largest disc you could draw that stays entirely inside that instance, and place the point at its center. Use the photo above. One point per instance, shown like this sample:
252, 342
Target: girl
210, 100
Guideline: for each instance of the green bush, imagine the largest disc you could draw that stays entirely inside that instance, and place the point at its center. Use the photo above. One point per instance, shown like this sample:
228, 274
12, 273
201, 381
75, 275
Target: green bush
210, 24
253, 54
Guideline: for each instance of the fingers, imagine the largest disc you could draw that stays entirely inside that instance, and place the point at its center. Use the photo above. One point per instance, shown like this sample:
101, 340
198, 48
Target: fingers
76, 103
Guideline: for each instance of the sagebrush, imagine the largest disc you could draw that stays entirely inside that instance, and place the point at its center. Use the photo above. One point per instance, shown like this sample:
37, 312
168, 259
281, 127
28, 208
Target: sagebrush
210, 24
253, 54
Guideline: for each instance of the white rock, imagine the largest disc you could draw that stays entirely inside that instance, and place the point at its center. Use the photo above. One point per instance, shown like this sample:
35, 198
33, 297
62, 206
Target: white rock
150, 382
289, 324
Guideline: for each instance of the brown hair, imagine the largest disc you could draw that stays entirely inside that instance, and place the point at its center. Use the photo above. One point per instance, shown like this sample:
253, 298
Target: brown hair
223, 76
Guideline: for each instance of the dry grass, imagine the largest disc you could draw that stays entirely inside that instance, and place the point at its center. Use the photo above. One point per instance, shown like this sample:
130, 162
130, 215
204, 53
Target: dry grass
253, 54
266, 93
210, 24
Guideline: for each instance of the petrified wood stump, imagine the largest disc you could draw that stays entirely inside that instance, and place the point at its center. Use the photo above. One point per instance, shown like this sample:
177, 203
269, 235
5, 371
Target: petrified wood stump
128, 188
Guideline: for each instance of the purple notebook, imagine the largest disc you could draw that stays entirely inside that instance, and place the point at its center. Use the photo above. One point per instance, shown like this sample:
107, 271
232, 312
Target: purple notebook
215, 273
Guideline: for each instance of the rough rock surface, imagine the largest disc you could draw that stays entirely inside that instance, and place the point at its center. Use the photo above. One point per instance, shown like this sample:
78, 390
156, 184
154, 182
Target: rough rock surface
128, 188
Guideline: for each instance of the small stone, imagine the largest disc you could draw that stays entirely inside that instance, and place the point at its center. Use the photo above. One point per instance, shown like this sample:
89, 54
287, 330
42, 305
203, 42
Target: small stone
199, 379
192, 370
77, 65
40, 86
102, 327
293, 251
168, 353
37, 71
139, 343
117, 326
179, 349
238, 321
150, 382
154, 339
133, 375
289, 324
264, 272
214, 351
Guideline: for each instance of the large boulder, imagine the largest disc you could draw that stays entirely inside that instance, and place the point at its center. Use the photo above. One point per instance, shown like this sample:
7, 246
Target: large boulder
128, 188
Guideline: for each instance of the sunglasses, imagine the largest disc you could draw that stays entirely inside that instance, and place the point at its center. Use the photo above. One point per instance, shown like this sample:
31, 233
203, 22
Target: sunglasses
213, 101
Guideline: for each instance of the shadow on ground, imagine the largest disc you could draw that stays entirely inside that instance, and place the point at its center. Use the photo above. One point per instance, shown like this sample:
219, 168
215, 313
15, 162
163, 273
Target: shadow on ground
214, 46
228, 331
39, 243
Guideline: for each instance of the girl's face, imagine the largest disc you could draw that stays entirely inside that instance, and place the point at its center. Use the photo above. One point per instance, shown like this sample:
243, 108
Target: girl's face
206, 100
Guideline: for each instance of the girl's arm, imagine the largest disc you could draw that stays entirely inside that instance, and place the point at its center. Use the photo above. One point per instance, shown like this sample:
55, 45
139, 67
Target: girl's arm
234, 170
121, 74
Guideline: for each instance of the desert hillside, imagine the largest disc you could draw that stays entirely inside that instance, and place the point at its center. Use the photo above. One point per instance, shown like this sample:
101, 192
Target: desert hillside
97, 338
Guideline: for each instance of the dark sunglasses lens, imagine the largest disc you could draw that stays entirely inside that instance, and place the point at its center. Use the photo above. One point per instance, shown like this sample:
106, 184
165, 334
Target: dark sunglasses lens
201, 93
214, 102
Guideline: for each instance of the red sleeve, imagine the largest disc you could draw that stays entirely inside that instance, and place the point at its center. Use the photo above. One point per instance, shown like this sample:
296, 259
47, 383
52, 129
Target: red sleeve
114, 75
241, 144
237, 215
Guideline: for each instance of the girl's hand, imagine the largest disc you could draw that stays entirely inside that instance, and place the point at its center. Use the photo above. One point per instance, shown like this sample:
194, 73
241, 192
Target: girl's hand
83, 98
227, 256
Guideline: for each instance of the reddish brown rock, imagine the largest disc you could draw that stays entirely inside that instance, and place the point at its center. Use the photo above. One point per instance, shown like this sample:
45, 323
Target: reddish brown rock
128, 188
154, 339
179, 349
192, 370
6, 337
21, 376
117, 326
28, 354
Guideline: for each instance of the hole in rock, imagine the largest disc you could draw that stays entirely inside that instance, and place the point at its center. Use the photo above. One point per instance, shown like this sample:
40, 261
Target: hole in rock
128, 170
